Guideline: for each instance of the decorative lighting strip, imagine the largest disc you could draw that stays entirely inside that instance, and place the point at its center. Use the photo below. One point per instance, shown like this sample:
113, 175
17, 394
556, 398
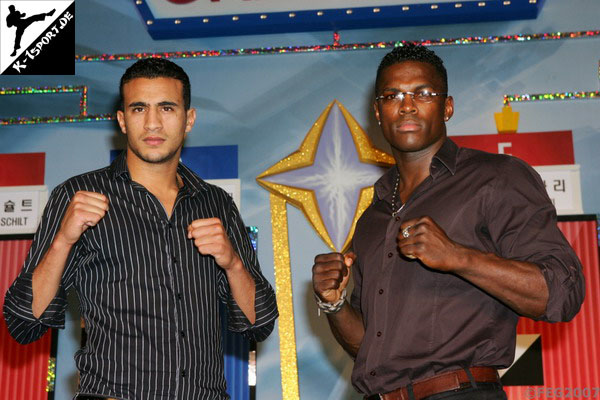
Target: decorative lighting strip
337, 46
516, 98
82, 90
83, 112
56, 119
51, 377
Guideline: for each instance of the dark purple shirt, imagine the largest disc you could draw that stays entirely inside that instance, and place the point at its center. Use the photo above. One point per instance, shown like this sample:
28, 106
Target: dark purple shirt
420, 322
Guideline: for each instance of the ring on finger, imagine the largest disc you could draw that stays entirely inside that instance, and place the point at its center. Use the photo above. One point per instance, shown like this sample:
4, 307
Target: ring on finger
405, 232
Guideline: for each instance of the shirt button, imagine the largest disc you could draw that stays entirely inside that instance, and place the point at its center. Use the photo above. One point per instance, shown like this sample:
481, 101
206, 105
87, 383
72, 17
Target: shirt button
380, 291
183, 373
182, 334
373, 373
397, 218
378, 334
170, 225
174, 260
179, 296
390, 255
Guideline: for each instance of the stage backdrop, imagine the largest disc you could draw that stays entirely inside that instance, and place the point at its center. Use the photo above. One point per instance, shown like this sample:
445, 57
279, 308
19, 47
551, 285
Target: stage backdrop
267, 103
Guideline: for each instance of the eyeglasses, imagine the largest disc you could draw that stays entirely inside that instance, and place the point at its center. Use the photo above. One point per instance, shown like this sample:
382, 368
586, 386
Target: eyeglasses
422, 96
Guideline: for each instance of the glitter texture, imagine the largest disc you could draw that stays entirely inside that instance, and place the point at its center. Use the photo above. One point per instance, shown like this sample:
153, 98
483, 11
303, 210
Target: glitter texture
305, 199
83, 113
285, 304
337, 46
51, 378
515, 98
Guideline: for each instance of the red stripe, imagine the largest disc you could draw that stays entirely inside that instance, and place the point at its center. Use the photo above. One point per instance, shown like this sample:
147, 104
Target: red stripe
22, 169
570, 351
23, 369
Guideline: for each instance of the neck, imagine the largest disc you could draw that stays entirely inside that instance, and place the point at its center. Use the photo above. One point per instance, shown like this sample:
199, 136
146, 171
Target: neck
413, 168
154, 177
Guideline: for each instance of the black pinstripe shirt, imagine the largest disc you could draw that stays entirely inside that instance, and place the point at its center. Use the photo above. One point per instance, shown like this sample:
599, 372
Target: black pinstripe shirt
149, 299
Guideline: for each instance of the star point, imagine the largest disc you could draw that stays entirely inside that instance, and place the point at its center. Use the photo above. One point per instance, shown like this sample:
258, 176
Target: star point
330, 176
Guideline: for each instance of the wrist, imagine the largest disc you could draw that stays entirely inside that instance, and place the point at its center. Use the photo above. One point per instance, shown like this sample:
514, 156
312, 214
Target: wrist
331, 308
235, 265
60, 242
465, 259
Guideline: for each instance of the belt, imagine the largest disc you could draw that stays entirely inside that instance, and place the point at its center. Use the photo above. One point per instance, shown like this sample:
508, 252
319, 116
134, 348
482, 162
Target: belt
443, 382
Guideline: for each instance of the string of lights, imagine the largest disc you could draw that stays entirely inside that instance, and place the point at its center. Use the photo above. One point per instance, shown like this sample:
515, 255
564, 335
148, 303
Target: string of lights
515, 98
83, 101
335, 46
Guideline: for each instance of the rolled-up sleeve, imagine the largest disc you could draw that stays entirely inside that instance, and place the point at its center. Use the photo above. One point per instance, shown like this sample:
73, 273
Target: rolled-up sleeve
523, 224
21, 323
265, 304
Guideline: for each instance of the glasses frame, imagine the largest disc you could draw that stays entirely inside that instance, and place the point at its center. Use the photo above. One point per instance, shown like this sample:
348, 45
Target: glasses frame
400, 96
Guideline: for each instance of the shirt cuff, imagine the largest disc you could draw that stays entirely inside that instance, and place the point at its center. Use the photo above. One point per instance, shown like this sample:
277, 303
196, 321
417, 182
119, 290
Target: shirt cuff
566, 290
19, 301
265, 308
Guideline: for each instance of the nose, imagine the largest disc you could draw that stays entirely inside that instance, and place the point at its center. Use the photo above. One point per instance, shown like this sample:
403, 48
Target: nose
407, 104
153, 121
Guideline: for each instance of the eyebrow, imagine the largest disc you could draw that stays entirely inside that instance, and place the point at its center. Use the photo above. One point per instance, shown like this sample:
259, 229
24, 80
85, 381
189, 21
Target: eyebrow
420, 87
161, 104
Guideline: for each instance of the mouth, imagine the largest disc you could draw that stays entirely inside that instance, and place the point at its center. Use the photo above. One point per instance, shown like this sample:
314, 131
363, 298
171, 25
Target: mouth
154, 141
408, 126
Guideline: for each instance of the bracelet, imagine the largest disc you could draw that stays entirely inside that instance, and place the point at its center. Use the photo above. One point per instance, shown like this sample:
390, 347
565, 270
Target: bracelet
331, 308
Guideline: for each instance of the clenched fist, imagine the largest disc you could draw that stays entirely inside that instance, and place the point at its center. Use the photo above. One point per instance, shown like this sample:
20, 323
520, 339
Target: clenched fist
331, 273
210, 238
424, 239
86, 209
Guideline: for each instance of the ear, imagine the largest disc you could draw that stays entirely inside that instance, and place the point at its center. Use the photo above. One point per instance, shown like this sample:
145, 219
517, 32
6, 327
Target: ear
448, 108
121, 119
190, 119
376, 109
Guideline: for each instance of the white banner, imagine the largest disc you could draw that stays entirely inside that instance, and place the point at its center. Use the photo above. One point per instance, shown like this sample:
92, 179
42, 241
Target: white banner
563, 186
231, 186
21, 208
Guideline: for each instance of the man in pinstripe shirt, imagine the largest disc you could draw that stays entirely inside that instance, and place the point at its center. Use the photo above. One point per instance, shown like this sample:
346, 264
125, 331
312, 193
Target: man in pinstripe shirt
150, 249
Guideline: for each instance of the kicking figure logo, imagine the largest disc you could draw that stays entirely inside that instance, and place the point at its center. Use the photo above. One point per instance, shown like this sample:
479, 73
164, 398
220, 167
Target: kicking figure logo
37, 37
18, 20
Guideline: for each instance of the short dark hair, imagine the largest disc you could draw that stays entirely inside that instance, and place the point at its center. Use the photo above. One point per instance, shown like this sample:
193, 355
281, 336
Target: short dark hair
413, 52
157, 68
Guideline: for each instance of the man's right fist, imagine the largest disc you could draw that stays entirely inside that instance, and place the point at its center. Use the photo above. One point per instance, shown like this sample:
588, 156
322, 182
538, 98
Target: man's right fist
331, 273
85, 209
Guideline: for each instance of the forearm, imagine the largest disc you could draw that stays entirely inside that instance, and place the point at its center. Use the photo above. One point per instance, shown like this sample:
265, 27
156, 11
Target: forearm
243, 289
518, 284
47, 275
347, 328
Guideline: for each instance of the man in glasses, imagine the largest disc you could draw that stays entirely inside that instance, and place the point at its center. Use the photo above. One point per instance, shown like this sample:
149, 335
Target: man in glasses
151, 250
456, 245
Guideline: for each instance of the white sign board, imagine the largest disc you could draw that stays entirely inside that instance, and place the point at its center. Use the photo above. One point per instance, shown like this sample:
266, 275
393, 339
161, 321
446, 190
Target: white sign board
563, 186
232, 187
21, 208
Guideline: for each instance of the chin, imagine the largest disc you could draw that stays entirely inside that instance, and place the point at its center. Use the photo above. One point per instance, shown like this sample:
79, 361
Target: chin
154, 158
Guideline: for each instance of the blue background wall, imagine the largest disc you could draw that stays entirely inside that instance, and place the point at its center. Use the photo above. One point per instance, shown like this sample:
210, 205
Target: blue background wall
266, 104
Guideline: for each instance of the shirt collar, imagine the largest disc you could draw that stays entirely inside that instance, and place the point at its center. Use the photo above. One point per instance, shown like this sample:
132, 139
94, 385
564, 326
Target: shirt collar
191, 182
445, 158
